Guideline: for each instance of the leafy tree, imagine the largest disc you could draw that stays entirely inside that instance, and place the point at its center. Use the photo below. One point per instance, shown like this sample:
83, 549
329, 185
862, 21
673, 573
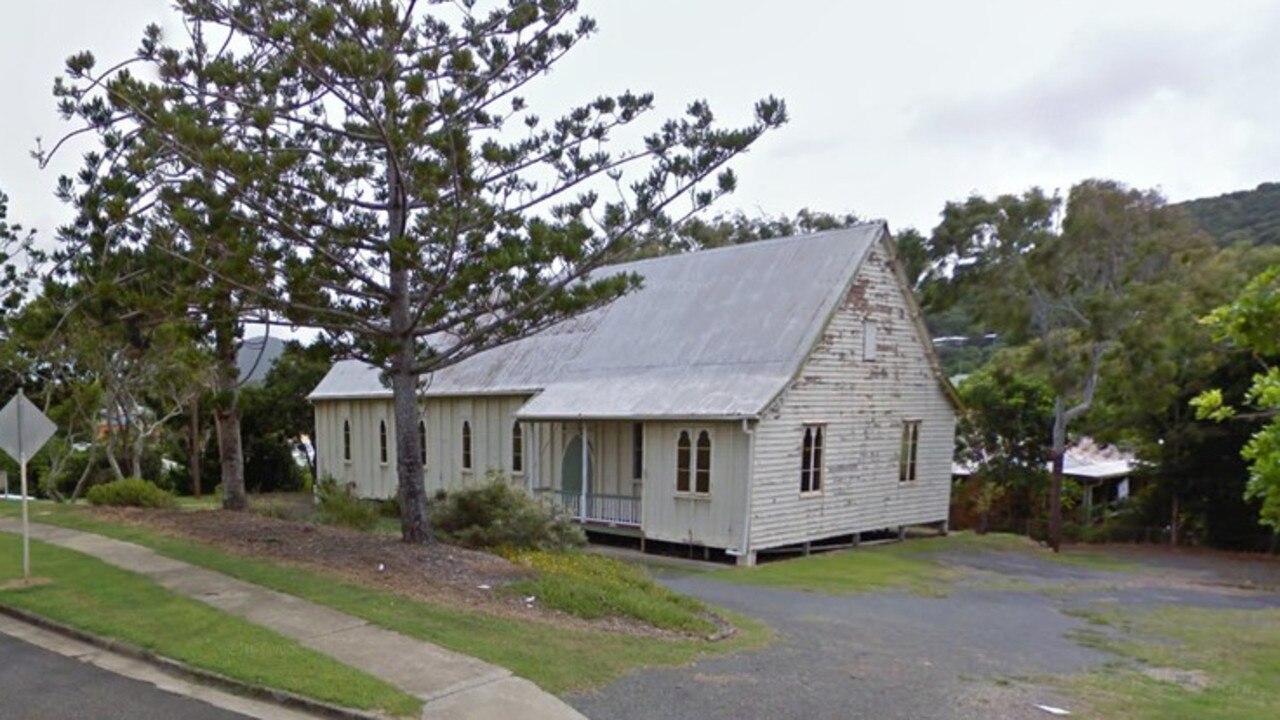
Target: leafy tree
423, 211
156, 216
1065, 281
1003, 434
1251, 322
1159, 366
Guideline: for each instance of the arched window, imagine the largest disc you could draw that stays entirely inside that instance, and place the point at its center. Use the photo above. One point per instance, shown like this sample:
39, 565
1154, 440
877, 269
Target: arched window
702, 474
811, 459
517, 448
466, 445
382, 442
346, 440
422, 442
684, 457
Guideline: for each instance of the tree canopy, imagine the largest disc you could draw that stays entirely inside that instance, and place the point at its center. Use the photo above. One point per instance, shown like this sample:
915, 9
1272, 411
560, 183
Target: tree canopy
382, 177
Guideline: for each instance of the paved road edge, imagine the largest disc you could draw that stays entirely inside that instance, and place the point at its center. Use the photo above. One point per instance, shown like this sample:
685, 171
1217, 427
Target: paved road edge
282, 698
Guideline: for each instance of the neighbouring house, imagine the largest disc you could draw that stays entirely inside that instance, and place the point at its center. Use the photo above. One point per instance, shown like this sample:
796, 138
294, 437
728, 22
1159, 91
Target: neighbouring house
1106, 475
746, 398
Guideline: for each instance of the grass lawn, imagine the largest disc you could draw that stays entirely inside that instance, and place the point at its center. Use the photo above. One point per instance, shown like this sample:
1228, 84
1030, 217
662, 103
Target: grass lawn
558, 659
909, 566
91, 595
1206, 663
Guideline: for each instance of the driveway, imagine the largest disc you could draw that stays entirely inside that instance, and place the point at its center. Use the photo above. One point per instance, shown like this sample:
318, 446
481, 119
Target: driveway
973, 654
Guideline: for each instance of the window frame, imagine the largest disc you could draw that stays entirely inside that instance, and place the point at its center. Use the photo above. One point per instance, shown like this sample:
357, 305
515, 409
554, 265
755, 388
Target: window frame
346, 440
694, 474
384, 454
467, 450
909, 452
517, 448
813, 445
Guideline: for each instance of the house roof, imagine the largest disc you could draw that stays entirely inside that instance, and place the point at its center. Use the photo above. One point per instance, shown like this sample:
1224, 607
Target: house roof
710, 334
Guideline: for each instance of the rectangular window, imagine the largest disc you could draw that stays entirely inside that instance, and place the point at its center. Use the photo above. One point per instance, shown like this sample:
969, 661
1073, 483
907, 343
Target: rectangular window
637, 451
517, 449
868, 340
811, 459
910, 451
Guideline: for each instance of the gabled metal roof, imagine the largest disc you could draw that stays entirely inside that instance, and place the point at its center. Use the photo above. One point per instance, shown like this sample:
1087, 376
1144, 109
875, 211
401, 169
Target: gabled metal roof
710, 334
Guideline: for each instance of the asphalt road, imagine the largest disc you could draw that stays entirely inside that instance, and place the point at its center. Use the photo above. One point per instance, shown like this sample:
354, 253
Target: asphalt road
36, 684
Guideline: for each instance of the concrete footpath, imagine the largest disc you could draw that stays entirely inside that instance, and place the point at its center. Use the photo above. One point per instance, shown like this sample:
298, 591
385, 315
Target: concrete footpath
450, 685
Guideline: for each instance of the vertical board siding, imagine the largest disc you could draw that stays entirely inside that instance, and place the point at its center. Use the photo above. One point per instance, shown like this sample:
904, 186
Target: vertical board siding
714, 521
863, 404
490, 419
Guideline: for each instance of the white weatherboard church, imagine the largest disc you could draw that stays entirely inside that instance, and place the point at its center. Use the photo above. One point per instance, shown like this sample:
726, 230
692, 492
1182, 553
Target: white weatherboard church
746, 398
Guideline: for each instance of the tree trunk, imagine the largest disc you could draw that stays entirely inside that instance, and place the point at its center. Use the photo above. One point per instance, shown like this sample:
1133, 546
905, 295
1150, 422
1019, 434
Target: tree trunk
84, 477
1173, 523
414, 527
226, 413
111, 460
1058, 454
194, 449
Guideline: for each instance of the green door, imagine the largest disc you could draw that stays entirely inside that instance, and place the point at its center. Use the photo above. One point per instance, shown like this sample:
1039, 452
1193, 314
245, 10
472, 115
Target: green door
571, 468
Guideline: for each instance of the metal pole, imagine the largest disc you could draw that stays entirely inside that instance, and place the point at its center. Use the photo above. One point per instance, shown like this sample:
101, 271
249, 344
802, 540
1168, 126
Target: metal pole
26, 526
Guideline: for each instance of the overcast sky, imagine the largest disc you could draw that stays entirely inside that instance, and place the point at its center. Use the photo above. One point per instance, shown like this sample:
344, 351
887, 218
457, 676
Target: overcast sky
897, 107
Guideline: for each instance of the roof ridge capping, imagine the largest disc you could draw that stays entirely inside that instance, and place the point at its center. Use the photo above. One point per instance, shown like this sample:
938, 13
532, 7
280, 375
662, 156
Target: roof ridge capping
859, 227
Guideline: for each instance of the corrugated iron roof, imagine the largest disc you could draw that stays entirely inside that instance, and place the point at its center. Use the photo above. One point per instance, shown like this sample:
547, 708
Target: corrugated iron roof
714, 333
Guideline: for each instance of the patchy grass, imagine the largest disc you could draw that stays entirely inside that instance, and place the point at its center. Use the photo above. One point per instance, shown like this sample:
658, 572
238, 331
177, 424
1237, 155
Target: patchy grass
592, 586
558, 659
91, 595
901, 566
1192, 662
911, 566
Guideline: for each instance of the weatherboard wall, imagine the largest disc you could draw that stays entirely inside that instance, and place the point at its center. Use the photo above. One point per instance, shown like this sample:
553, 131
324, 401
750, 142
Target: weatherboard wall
862, 403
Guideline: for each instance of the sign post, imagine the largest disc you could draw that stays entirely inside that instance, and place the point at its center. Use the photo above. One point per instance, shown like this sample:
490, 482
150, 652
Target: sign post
23, 431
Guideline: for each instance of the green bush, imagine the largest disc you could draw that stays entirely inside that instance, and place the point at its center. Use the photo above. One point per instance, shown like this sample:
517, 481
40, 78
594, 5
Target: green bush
338, 506
497, 515
130, 492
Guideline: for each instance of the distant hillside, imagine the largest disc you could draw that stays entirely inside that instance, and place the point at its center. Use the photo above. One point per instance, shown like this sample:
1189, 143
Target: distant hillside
256, 356
1248, 215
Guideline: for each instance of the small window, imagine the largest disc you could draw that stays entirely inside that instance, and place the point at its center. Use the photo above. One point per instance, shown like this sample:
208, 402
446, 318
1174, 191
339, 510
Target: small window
466, 445
684, 457
637, 451
811, 460
868, 340
517, 448
382, 442
910, 451
346, 440
422, 442
702, 474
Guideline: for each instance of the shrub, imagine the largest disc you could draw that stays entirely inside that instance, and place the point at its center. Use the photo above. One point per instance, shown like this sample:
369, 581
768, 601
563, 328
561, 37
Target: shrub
130, 492
338, 506
497, 515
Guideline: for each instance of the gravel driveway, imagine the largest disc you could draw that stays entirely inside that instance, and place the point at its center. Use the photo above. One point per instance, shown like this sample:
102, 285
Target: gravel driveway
970, 655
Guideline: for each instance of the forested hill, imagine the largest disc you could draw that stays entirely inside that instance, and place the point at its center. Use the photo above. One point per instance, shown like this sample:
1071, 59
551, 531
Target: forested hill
1248, 215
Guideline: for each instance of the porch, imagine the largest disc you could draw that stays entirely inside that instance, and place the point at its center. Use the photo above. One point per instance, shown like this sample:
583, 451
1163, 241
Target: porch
617, 510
